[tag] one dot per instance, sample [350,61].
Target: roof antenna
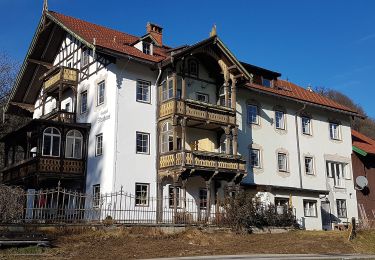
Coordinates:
[213,31]
[45,6]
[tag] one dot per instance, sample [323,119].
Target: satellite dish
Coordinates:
[361,181]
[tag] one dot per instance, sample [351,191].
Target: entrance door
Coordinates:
[326,215]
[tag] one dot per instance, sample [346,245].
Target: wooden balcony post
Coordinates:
[227,140]
[183,140]
[183,88]
[184,192]
[175,184]
[174,89]
[235,140]
[159,213]
[233,94]
[208,209]
[174,129]
[44,98]
[226,93]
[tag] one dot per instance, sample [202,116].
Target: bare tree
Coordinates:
[365,126]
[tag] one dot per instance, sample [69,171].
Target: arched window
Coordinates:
[51,142]
[223,144]
[166,138]
[74,142]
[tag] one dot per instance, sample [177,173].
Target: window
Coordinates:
[69,63]
[193,68]
[171,196]
[281,205]
[309,207]
[51,142]
[252,114]
[83,102]
[141,194]
[99,145]
[309,166]
[167,89]
[282,162]
[67,107]
[146,48]
[337,171]
[100,93]
[85,58]
[280,121]
[202,198]
[266,82]
[334,131]
[166,138]
[143,91]
[143,143]
[223,144]
[96,195]
[341,208]
[306,125]
[255,157]
[74,142]
[201,97]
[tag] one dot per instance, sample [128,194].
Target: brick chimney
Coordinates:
[156,31]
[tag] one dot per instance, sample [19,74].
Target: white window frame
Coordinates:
[147,146]
[146,48]
[143,201]
[257,152]
[77,136]
[166,137]
[100,95]
[51,136]
[334,131]
[266,80]
[205,96]
[303,124]
[171,196]
[281,204]
[337,171]
[83,100]
[285,156]
[96,195]
[279,120]
[144,90]
[309,169]
[342,210]
[99,144]
[85,60]
[310,208]
[251,120]
[167,89]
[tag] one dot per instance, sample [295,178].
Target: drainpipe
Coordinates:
[298,145]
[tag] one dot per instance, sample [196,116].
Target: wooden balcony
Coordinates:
[198,111]
[43,165]
[58,75]
[203,161]
[60,116]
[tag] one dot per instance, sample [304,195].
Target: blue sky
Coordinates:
[322,43]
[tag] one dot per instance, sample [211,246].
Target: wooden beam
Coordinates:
[39,62]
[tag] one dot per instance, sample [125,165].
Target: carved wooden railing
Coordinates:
[61,74]
[61,116]
[42,165]
[207,160]
[198,110]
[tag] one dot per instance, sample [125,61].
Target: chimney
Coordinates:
[156,32]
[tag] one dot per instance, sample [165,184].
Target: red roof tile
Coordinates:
[363,142]
[291,90]
[106,37]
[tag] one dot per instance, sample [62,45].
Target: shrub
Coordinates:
[12,202]
[245,211]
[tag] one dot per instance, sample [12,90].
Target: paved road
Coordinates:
[273,257]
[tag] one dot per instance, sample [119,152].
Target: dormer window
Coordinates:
[266,82]
[193,68]
[146,48]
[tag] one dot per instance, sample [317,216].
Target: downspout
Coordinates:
[298,145]
[159,204]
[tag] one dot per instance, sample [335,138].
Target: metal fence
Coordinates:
[64,206]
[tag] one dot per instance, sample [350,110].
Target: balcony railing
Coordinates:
[58,75]
[42,164]
[198,110]
[203,160]
[61,116]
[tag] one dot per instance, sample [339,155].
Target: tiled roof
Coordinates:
[107,38]
[363,142]
[293,91]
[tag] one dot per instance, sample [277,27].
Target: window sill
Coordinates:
[143,102]
[142,206]
[143,153]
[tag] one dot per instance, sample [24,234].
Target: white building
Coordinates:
[113,111]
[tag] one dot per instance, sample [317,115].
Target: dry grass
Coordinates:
[151,242]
